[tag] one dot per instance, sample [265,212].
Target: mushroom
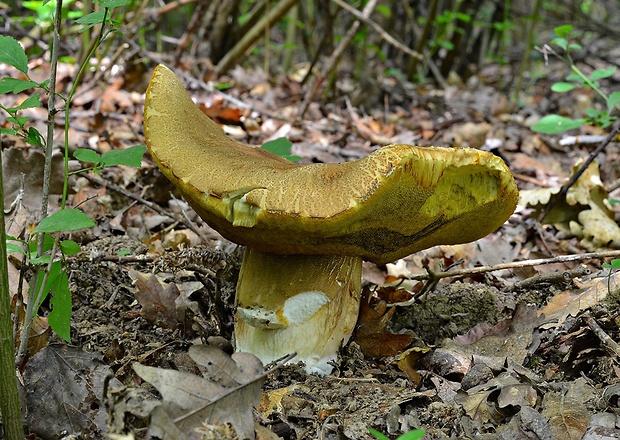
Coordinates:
[307,227]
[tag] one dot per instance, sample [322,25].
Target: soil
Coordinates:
[362,392]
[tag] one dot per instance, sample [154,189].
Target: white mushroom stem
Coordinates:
[306,304]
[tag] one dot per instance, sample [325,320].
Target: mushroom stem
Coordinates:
[306,304]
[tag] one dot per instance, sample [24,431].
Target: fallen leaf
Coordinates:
[371,331]
[408,363]
[570,302]
[508,340]
[17,161]
[483,404]
[158,302]
[568,417]
[584,212]
[65,392]
[227,393]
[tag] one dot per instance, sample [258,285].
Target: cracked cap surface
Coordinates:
[398,200]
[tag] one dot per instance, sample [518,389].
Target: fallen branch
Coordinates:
[516,265]
[611,346]
[109,185]
[382,33]
[330,65]
[562,194]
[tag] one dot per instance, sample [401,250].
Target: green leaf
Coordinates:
[448,45]
[48,244]
[377,434]
[17,121]
[60,316]
[87,155]
[593,113]
[574,77]
[34,137]
[613,101]
[67,219]
[42,260]
[15,85]
[563,31]
[131,156]
[561,87]
[223,86]
[30,102]
[281,147]
[384,10]
[92,19]
[603,73]
[110,4]
[14,248]
[416,434]
[613,264]
[51,278]
[11,52]
[554,124]
[69,247]
[463,17]
[562,42]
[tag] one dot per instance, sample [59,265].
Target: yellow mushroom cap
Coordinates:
[397,201]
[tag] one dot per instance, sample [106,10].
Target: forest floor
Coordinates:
[519,353]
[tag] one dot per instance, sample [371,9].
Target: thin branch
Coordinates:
[382,33]
[333,59]
[186,222]
[608,343]
[562,194]
[517,264]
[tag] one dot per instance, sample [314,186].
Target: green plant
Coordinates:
[553,124]
[45,248]
[415,434]
[613,266]
[281,147]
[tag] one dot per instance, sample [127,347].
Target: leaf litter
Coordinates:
[229,388]
[474,357]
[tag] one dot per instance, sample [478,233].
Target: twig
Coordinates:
[253,35]
[382,33]
[188,78]
[552,277]
[517,264]
[562,194]
[364,131]
[333,59]
[188,224]
[609,344]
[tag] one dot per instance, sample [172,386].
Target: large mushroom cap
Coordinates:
[398,200]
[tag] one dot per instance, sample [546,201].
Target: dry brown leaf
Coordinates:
[408,363]
[15,162]
[191,402]
[371,331]
[480,402]
[584,212]
[218,112]
[66,392]
[157,301]
[568,417]
[570,302]
[523,319]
